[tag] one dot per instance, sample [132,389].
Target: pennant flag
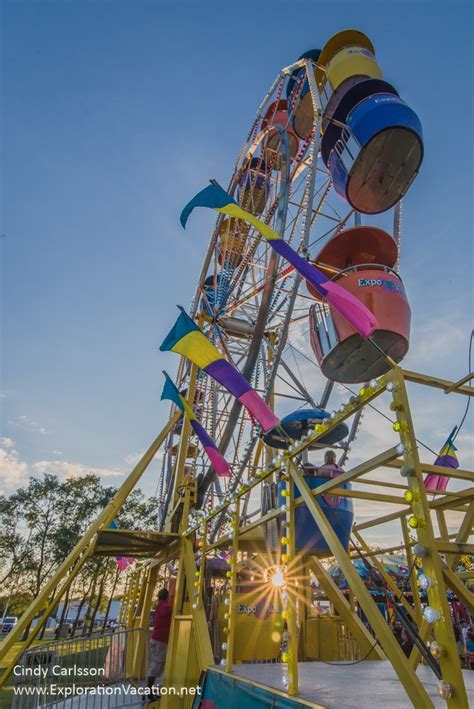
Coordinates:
[218,462]
[355,312]
[186,339]
[123,562]
[448,459]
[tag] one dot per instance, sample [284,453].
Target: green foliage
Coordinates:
[41,523]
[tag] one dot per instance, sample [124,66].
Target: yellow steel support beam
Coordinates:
[415,592]
[378,552]
[457,473]
[150,584]
[464,532]
[455,548]
[200,628]
[44,617]
[442,526]
[351,475]
[380,520]
[133,598]
[172,660]
[386,577]
[183,449]
[392,649]
[292,588]
[432,566]
[232,587]
[363,495]
[460,382]
[424,632]
[437,383]
[140,655]
[457,586]
[357,628]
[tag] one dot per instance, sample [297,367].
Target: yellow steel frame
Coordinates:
[415,503]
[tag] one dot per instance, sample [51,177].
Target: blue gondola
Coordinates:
[356,93]
[339,512]
[378,155]
[298,424]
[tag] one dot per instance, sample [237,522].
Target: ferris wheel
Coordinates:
[304,151]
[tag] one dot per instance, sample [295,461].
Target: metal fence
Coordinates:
[87,672]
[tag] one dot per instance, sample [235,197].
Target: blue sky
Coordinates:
[116,113]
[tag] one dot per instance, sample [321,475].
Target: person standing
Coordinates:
[159,640]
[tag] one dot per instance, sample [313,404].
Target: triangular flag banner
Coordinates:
[218,462]
[185,338]
[355,312]
[123,562]
[447,458]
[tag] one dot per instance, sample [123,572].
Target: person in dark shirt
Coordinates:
[406,643]
[159,640]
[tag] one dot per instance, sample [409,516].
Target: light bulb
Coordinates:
[405,471]
[373,383]
[420,551]
[361,391]
[396,426]
[445,690]
[195,605]
[223,662]
[400,449]
[390,386]
[431,614]
[227,601]
[224,646]
[436,650]
[425,582]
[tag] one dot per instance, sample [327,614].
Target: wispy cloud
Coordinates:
[64,469]
[13,471]
[7,442]
[28,424]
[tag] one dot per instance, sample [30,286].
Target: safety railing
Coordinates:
[96,670]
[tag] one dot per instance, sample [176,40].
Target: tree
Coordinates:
[42,522]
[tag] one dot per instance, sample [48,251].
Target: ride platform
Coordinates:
[132,543]
[334,685]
